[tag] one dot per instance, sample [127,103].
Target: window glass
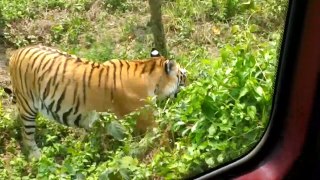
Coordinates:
[229,49]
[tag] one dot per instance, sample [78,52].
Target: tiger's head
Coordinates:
[172,79]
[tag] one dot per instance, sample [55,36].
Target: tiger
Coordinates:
[73,91]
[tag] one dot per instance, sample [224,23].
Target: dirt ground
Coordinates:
[4,75]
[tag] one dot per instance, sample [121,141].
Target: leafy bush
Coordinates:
[47,27]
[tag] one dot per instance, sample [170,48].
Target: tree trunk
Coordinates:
[157,26]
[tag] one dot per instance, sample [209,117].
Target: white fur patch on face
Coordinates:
[168,91]
[155,53]
[183,71]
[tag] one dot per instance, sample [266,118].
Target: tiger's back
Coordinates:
[71,90]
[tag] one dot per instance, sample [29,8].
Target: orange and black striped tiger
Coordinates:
[71,90]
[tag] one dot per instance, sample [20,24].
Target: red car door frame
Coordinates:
[294,117]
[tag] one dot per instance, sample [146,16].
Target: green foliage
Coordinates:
[218,117]
[65,31]
[69,30]
[114,5]
[13,10]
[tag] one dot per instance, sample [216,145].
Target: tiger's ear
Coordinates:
[154,53]
[169,66]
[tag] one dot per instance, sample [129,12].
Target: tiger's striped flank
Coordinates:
[72,90]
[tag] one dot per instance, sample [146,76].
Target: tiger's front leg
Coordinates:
[28,135]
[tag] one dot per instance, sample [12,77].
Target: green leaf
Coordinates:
[253,28]
[235,29]
[116,130]
[194,127]
[220,158]
[210,161]
[212,129]
[184,132]
[124,174]
[243,92]
[105,174]
[207,107]
[128,161]
[259,90]
[252,111]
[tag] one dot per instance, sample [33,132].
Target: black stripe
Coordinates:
[114,74]
[19,67]
[114,81]
[41,107]
[96,65]
[48,60]
[51,106]
[153,67]
[77,106]
[21,80]
[107,75]
[77,121]
[52,63]
[56,73]
[26,102]
[34,60]
[61,98]
[65,116]
[100,74]
[121,66]
[41,53]
[23,105]
[75,92]
[46,90]
[25,54]
[19,61]
[84,86]
[29,126]
[78,60]
[47,70]
[55,90]
[45,64]
[56,117]
[32,98]
[90,75]
[22,50]
[143,69]
[64,70]
[128,67]
[28,133]
[35,73]
[135,69]
[27,118]
[25,77]
[106,81]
